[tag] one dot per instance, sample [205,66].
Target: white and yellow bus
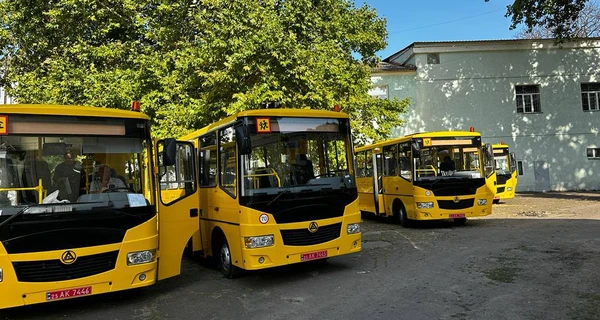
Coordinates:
[506,172]
[277,187]
[426,176]
[80,210]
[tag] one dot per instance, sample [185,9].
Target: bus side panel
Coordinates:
[395,187]
[223,212]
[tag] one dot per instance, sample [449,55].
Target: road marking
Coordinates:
[407,239]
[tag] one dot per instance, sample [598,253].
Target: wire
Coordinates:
[446,22]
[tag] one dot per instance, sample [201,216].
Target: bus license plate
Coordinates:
[69,293]
[457,215]
[313,255]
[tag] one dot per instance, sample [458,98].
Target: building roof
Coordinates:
[391,66]
[498,44]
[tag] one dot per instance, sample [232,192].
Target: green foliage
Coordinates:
[192,62]
[559,16]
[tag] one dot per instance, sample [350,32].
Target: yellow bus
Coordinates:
[506,172]
[80,210]
[426,176]
[277,187]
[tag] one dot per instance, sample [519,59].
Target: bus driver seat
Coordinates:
[302,170]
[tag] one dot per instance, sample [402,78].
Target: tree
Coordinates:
[558,16]
[191,62]
[586,25]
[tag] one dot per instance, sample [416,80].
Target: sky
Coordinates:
[441,20]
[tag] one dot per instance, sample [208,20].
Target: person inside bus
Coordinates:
[302,170]
[105,181]
[447,164]
[69,178]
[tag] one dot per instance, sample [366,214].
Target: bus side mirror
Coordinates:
[416,149]
[169,152]
[244,143]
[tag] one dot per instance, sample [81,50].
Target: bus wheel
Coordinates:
[496,201]
[400,215]
[460,221]
[225,264]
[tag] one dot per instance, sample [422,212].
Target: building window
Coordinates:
[520,167]
[528,99]
[433,58]
[590,96]
[593,153]
[379,92]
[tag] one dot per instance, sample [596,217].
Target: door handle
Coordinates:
[193,212]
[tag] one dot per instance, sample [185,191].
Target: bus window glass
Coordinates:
[390,163]
[227,163]
[208,160]
[404,161]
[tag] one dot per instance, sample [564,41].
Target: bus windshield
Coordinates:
[298,155]
[447,162]
[50,173]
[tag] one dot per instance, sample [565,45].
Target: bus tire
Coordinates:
[400,216]
[496,201]
[460,221]
[226,265]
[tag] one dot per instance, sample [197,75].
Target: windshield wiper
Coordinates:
[279,195]
[9,219]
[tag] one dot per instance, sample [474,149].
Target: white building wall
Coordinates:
[4,98]
[476,88]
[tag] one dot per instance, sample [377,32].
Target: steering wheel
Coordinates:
[119,189]
[328,174]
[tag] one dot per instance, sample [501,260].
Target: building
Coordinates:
[4,98]
[541,99]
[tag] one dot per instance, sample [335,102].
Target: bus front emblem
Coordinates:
[456,199]
[68,257]
[313,227]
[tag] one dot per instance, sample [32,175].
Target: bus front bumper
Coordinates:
[18,293]
[437,213]
[281,254]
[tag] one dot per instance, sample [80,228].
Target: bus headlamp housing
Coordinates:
[424,205]
[509,188]
[481,202]
[140,257]
[353,228]
[259,241]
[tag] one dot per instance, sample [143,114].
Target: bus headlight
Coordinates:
[509,188]
[259,241]
[140,257]
[482,202]
[353,228]
[424,205]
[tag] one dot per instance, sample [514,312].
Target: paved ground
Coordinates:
[536,257]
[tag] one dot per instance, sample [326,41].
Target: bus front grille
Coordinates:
[451,205]
[303,237]
[55,270]
[500,190]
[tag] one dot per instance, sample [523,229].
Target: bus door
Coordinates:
[489,167]
[177,208]
[377,180]
[397,175]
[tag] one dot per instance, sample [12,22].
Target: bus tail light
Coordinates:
[259,241]
[140,257]
[353,228]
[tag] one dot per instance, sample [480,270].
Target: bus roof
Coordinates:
[70,110]
[499,146]
[431,134]
[308,113]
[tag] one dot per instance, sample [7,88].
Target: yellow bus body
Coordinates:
[226,219]
[506,172]
[94,255]
[407,190]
